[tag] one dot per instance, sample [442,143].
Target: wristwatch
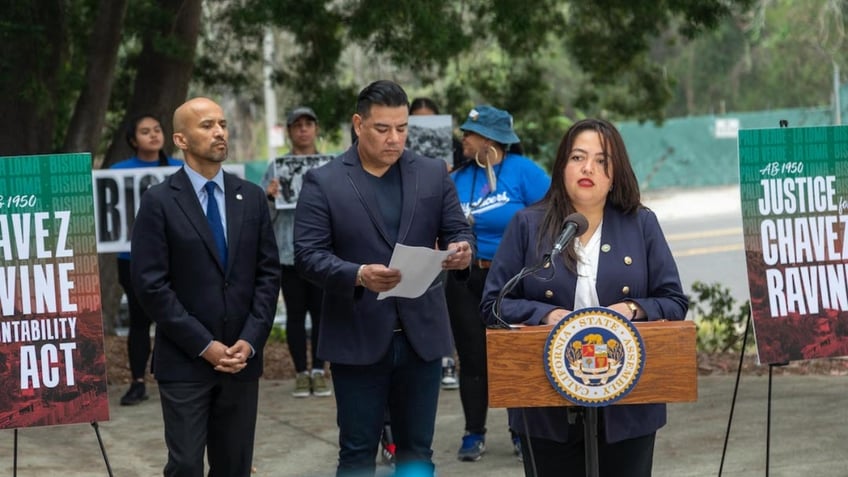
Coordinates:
[633,308]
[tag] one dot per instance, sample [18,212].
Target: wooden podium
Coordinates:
[517,375]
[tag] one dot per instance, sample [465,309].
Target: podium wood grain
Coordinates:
[517,375]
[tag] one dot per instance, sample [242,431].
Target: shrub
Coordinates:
[720,329]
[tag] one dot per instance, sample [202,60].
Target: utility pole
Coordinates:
[272,130]
[837,101]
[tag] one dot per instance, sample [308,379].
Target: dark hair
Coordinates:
[624,196]
[132,128]
[382,93]
[420,103]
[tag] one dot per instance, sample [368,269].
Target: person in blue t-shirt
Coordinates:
[144,135]
[492,186]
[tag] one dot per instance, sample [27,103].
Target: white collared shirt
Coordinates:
[586,293]
[198,182]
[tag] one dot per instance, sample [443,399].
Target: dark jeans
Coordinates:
[547,458]
[469,335]
[301,296]
[138,337]
[410,388]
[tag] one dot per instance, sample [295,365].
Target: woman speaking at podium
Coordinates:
[622,261]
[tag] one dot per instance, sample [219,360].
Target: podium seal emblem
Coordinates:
[594,357]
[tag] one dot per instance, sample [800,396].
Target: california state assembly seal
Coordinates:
[594,357]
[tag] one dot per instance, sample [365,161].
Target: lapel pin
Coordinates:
[238,197]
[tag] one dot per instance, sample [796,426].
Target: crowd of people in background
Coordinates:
[385,360]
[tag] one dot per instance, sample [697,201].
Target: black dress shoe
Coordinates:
[135,394]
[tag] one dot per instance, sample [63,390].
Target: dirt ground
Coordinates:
[278,363]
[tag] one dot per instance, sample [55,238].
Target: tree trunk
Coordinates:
[86,125]
[160,86]
[33,47]
[87,122]
[164,71]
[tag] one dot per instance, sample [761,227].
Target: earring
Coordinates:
[495,151]
[477,160]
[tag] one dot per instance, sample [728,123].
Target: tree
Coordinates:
[163,69]
[59,60]
[779,54]
[30,82]
[90,112]
[481,51]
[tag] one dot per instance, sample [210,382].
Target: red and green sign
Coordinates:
[52,361]
[794,188]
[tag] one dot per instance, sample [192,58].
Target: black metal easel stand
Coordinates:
[96,427]
[733,403]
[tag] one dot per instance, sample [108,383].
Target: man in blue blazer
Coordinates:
[210,282]
[349,216]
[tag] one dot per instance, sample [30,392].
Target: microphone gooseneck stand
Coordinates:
[508,287]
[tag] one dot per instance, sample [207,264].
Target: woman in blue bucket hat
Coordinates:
[492,186]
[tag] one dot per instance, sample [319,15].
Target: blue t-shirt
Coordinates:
[135,162]
[520,182]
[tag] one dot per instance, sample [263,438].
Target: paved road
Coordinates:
[704,231]
[297,437]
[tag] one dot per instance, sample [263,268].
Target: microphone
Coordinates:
[575,225]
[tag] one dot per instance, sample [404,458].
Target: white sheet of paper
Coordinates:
[418,266]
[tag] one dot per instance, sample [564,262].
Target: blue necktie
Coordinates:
[213,215]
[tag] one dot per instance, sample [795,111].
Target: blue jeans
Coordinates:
[410,388]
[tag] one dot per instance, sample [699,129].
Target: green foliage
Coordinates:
[538,59]
[720,327]
[278,334]
[778,55]
[542,60]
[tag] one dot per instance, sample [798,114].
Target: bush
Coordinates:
[719,328]
[278,334]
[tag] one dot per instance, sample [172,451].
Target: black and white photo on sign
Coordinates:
[289,171]
[431,136]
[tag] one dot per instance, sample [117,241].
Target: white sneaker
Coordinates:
[449,380]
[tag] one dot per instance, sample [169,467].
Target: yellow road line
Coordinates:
[708,250]
[705,234]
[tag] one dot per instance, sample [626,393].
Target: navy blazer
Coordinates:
[339,226]
[650,279]
[183,286]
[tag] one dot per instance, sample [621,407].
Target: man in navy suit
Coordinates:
[350,214]
[205,269]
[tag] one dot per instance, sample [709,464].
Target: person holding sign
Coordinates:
[428,107]
[622,262]
[350,215]
[144,135]
[492,187]
[300,295]
[205,269]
